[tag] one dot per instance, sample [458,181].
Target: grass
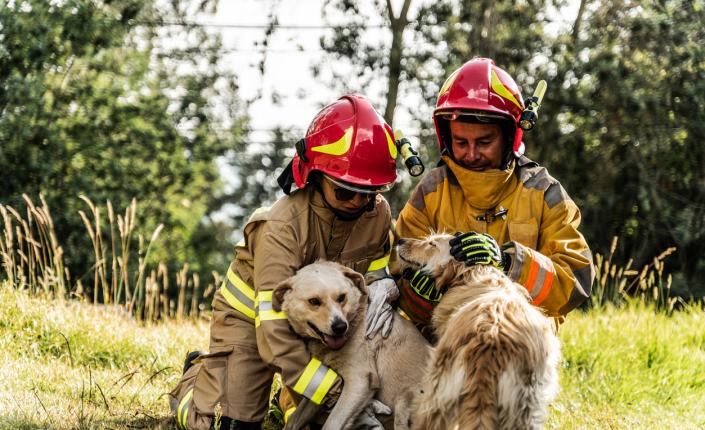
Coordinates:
[66,364]
[73,365]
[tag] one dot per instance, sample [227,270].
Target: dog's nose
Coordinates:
[401,241]
[339,327]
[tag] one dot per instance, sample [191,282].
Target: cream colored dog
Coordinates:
[495,364]
[325,303]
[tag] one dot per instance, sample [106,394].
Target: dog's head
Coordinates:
[430,255]
[321,301]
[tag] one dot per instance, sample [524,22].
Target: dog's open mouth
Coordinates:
[332,342]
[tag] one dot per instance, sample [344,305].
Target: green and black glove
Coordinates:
[479,248]
[423,284]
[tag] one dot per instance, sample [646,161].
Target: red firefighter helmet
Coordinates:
[482,90]
[348,141]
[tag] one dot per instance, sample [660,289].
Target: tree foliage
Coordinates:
[622,123]
[93,103]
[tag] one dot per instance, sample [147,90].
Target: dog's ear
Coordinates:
[357,279]
[279,293]
[450,272]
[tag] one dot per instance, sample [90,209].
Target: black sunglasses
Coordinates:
[345,195]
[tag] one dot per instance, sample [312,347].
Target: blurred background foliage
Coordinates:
[93,103]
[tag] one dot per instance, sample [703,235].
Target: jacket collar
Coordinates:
[483,190]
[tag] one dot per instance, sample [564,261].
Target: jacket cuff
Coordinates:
[531,269]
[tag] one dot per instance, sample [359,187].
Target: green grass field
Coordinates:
[70,365]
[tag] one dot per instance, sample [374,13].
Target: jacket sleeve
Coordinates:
[560,272]
[278,256]
[379,266]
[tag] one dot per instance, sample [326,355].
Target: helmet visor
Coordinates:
[357,188]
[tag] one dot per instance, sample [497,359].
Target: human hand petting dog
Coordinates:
[478,248]
[379,311]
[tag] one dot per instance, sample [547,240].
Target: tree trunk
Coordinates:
[398,24]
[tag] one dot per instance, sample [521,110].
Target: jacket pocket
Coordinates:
[210,386]
[524,232]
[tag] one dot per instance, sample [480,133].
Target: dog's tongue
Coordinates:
[334,342]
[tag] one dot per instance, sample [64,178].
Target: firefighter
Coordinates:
[336,213]
[487,189]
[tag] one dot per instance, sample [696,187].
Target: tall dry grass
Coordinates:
[122,273]
[617,284]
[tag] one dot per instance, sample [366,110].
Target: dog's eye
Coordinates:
[341,298]
[314,301]
[433,245]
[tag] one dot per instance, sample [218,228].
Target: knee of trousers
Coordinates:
[233,382]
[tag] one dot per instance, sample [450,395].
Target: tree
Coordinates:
[91,104]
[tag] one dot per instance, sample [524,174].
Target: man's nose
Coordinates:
[472,153]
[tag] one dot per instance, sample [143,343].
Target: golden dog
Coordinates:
[495,364]
[325,303]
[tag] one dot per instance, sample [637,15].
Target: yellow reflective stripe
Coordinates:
[503,91]
[380,263]
[264,308]
[288,413]
[315,381]
[238,294]
[184,405]
[339,147]
[241,285]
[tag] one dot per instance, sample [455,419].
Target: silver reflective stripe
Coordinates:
[315,382]
[264,306]
[239,295]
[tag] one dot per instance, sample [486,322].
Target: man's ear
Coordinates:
[279,294]
[357,279]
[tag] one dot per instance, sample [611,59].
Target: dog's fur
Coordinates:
[388,369]
[495,364]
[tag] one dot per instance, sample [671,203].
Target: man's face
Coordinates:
[477,147]
[355,204]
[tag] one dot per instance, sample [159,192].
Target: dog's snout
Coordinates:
[401,241]
[339,327]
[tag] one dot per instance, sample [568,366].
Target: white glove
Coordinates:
[367,420]
[379,312]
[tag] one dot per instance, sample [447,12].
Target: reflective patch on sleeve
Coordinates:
[315,381]
[265,311]
[541,276]
[238,294]
[182,410]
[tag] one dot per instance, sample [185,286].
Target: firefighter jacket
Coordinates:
[298,230]
[525,210]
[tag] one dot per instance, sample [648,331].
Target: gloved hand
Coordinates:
[379,311]
[423,284]
[367,420]
[478,248]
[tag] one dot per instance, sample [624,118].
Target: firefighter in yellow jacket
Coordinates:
[345,160]
[489,192]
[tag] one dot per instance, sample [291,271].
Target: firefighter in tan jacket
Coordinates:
[346,159]
[487,189]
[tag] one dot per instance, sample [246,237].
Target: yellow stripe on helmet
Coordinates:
[392,146]
[499,88]
[339,147]
[447,83]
